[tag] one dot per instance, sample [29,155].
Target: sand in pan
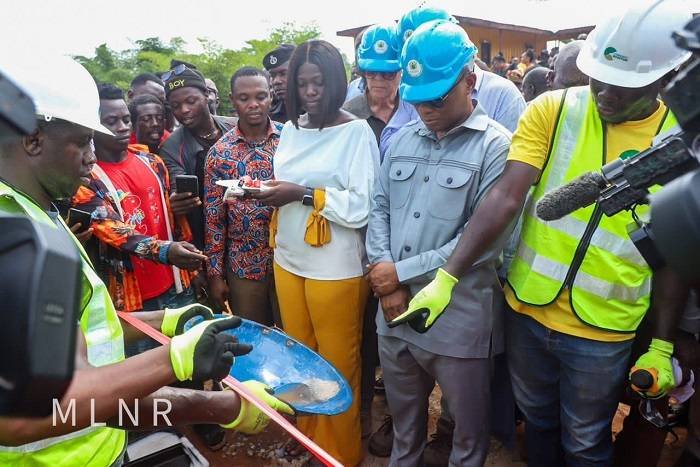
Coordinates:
[322,389]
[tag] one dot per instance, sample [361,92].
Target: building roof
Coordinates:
[466,21]
[534,17]
[544,17]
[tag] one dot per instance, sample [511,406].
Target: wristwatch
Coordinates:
[308,199]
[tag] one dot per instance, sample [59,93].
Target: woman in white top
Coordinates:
[324,169]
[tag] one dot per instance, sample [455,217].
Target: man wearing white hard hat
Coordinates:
[577,287]
[50,164]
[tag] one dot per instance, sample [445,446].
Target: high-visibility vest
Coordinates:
[92,446]
[586,252]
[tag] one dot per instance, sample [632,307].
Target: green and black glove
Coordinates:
[652,374]
[205,352]
[174,319]
[251,420]
[428,304]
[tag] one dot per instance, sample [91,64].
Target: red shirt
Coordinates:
[132,138]
[139,194]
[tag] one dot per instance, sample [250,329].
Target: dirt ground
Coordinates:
[266,449]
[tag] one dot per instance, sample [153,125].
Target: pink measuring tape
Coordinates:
[242,391]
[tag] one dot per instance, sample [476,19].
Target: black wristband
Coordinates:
[308,199]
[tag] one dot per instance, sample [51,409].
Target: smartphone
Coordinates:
[76,215]
[187,184]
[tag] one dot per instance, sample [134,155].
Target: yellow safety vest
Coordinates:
[587,252]
[92,446]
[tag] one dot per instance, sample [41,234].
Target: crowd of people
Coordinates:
[395,234]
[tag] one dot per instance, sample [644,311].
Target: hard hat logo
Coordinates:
[610,53]
[273,60]
[407,34]
[414,69]
[381,47]
[647,51]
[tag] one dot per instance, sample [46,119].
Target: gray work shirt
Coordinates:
[426,192]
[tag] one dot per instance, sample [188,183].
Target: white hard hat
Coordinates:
[635,48]
[59,86]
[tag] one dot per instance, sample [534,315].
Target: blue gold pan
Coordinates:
[298,375]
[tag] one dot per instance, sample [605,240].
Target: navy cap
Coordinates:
[278,56]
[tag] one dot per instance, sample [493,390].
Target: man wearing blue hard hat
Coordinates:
[380,105]
[498,96]
[378,61]
[504,103]
[434,174]
[417,16]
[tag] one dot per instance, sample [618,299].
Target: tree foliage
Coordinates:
[153,55]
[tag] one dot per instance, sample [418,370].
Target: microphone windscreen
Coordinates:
[579,193]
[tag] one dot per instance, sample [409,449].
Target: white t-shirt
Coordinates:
[342,160]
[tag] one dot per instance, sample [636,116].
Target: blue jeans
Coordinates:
[568,389]
[169,299]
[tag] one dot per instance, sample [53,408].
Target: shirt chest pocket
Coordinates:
[401,176]
[448,196]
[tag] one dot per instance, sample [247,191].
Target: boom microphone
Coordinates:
[579,193]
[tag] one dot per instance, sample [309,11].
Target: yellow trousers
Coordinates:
[327,317]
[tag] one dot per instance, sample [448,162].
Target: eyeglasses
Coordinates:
[385,75]
[178,70]
[440,102]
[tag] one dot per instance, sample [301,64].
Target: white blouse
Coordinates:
[342,160]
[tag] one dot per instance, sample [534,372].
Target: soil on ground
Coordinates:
[266,449]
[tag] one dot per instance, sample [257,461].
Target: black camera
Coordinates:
[40,271]
[675,210]
[17,114]
[39,292]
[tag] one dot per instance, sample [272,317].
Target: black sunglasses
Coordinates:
[178,70]
[440,102]
[385,75]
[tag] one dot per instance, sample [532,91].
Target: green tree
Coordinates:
[154,44]
[153,55]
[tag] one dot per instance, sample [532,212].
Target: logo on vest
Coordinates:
[611,54]
[176,84]
[629,153]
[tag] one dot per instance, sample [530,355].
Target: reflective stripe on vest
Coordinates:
[611,287]
[600,287]
[98,446]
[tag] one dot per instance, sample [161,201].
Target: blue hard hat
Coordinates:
[433,59]
[414,18]
[379,50]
